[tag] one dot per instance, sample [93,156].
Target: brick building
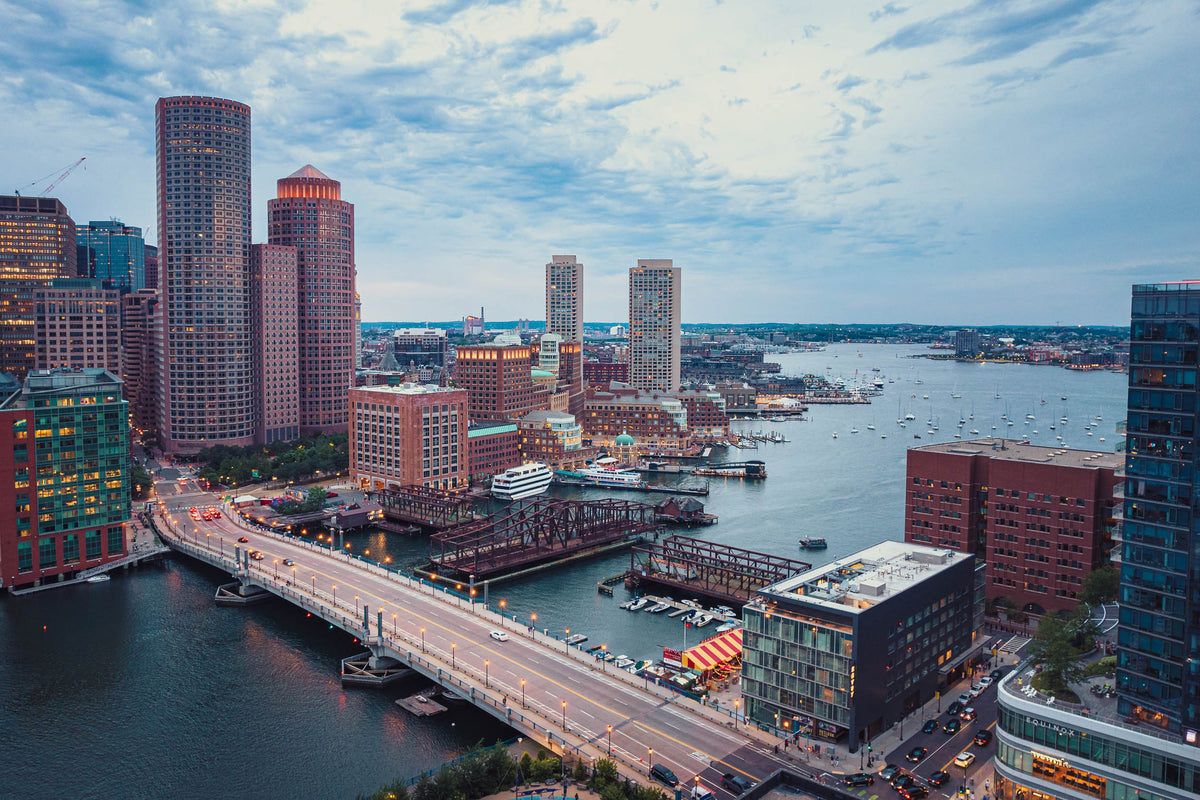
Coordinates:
[492,447]
[656,421]
[1041,517]
[141,337]
[553,438]
[705,413]
[77,325]
[408,435]
[598,374]
[274,295]
[498,381]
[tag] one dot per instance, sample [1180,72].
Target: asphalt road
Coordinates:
[688,743]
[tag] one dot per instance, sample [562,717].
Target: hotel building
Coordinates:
[408,435]
[654,325]
[273,300]
[1041,517]
[655,421]
[492,447]
[77,325]
[564,298]
[207,369]
[37,244]
[846,650]
[64,458]
[309,214]
[499,381]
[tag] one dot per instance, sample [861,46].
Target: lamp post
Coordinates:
[522,693]
[603,658]
[486,677]
[736,703]
[502,605]
[453,661]
[422,638]
[293,576]
[610,740]
[394,626]
[651,751]
[277,569]
[566,644]
[335,594]
[564,705]
[533,621]
[314,579]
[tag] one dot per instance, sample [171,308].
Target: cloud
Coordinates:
[849,82]
[889,10]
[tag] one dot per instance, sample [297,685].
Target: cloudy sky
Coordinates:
[1001,161]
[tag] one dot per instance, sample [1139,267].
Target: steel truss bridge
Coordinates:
[714,570]
[429,508]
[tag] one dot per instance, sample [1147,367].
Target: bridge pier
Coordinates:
[373,669]
[240,593]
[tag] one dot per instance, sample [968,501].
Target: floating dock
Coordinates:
[421,705]
[641,487]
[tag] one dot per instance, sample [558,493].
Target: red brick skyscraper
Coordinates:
[310,215]
[206,377]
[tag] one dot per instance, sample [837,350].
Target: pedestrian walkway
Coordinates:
[1015,644]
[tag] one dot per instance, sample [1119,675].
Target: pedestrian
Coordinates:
[776,749]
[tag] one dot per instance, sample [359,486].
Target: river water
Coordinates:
[142,688]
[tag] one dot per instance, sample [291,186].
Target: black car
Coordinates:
[983,738]
[663,774]
[939,777]
[859,779]
[930,726]
[916,754]
[736,783]
[913,792]
[243,539]
[287,562]
[889,772]
[997,674]
[902,781]
[952,727]
[954,708]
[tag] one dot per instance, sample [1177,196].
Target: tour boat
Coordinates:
[813,543]
[520,482]
[604,476]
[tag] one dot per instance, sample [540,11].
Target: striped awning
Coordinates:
[717,650]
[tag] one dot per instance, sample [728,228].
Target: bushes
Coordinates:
[1102,667]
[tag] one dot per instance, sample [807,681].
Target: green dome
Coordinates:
[624,440]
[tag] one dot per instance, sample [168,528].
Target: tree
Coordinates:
[140,482]
[1100,586]
[580,771]
[1052,646]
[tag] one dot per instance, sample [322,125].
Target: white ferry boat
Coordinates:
[605,476]
[520,482]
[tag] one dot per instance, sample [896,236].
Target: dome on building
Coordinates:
[624,440]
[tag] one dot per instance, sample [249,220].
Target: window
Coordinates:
[47,553]
[92,542]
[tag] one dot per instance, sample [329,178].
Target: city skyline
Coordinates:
[1004,155]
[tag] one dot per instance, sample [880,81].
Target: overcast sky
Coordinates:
[939,162]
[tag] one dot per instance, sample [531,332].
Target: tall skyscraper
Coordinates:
[564,298]
[273,267]
[206,374]
[141,341]
[112,251]
[309,214]
[1158,672]
[78,325]
[37,244]
[150,259]
[654,325]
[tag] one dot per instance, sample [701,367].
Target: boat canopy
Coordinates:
[717,650]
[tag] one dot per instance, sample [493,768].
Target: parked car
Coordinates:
[952,727]
[939,777]
[736,783]
[965,698]
[930,726]
[976,690]
[859,779]
[996,674]
[986,681]
[663,774]
[916,754]
[964,759]
[983,738]
[954,708]
[889,772]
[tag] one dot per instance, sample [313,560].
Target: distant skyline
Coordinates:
[992,162]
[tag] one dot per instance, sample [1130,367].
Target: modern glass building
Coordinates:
[846,650]
[112,251]
[1158,668]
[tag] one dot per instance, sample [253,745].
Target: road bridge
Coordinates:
[556,694]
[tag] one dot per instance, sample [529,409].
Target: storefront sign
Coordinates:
[1061,730]
[672,657]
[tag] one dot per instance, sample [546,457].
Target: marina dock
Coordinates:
[420,705]
[580,484]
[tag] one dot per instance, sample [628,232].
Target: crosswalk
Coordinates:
[1014,644]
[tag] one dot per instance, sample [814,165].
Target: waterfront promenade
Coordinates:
[557,695]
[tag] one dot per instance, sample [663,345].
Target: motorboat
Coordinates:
[813,543]
[639,604]
[520,482]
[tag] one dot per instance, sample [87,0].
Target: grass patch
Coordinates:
[1102,667]
[1066,695]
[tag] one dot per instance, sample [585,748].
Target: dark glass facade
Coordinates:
[1158,673]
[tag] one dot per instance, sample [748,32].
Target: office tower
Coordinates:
[564,298]
[77,324]
[499,381]
[308,213]
[274,289]
[1041,517]
[419,347]
[64,446]
[654,325]
[150,259]
[141,339]
[408,435]
[1158,673]
[37,243]
[206,371]
[112,251]
[967,342]
[358,345]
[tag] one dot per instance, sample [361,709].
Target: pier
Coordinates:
[429,508]
[699,491]
[716,571]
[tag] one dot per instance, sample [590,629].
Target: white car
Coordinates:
[499,636]
[964,759]
[985,681]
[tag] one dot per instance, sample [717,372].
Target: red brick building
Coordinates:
[492,447]
[705,413]
[1041,517]
[498,381]
[658,421]
[598,374]
[273,301]
[408,435]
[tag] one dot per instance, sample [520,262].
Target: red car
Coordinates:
[243,539]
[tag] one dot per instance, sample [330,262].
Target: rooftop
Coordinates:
[548,416]
[309,171]
[866,578]
[409,388]
[1016,450]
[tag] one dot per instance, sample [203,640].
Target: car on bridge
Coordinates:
[663,774]
[287,562]
[243,539]
[257,555]
[499,636]
[737,784]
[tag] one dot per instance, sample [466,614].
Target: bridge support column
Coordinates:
[373,669]
[240,593]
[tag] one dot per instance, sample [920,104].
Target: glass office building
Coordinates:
[112,251]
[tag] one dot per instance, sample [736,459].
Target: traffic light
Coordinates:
[868,748]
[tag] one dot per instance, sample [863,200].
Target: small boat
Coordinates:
[624,662]
[813,543]
[576,638]
[974,431]
[871,427]
[639,604]
[657,608]
[728,626]
[628,603]
[703,620]
[98,579]
[835,434]
[854,430]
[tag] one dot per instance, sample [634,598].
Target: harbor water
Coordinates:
[141,687]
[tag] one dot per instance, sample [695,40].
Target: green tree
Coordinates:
[140,482]
[580,773]
[1100,586]
[1052,646]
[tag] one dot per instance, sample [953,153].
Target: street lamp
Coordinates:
[502,604]
[486,679]
[293,576]
[564,704]
[422,638]
[566,644]
[533,621]
[453,662]
[603,657]
[522,693]
[736,703]
[277,569]
[394,626]
[335,594]
[610,740]
[314,577]
[651,751]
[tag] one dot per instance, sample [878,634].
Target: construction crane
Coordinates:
[62,173]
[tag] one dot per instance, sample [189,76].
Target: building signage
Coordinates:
[1060,762]
[1061,730]
[672,657]
[827,730]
